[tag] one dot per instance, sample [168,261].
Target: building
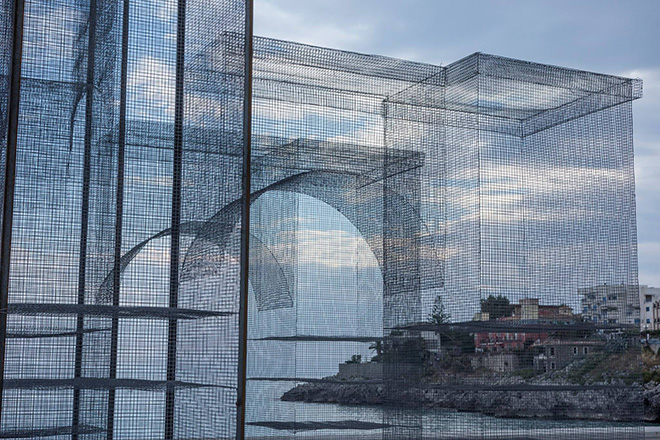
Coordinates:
[610,304]
[527,309]
[481,316]
[433,343]
[530,309]
[649,311]
[506,341]
[557,353]
[498,362]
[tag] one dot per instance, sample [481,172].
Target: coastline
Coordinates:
[621,404]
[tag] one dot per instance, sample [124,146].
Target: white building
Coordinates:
[649,312]
[611,304]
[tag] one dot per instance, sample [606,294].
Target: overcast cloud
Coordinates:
[613,37]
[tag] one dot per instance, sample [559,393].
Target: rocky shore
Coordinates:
[607,403]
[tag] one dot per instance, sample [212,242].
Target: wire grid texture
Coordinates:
[421,236]
[113,174]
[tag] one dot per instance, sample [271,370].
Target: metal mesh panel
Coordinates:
[435,252]
[5,63]
[126,152]
[492,197]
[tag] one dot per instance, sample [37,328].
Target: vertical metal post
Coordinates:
[119,213]
[10,174]
[177,168]
[245,225]
[385,232]
[84,211]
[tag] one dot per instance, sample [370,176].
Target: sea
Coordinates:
[380,422]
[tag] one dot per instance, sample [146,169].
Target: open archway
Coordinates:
[389,222]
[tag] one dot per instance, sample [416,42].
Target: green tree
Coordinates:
[438,314]
[497,306]
[377,346]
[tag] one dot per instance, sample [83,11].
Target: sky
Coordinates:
[605,36]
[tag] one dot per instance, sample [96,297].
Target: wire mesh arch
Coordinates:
[434,251]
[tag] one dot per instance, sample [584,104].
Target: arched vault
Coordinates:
[396,245]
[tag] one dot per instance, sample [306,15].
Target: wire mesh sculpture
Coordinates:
[420,237]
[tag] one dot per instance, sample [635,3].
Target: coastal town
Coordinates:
[520,346]
[507,337]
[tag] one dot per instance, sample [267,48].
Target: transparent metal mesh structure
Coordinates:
[384,187]
[441,252]
[125,153]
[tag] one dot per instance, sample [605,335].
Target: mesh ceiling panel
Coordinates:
[441,252]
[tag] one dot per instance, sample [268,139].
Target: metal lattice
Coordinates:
[422,239]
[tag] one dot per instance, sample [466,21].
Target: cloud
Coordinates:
[51,38]
[138,180]
[647,173]
[334,248]
[649,255]
[151,83]
[651,78]
[274,20]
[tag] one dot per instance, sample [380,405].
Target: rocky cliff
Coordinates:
[606,403]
